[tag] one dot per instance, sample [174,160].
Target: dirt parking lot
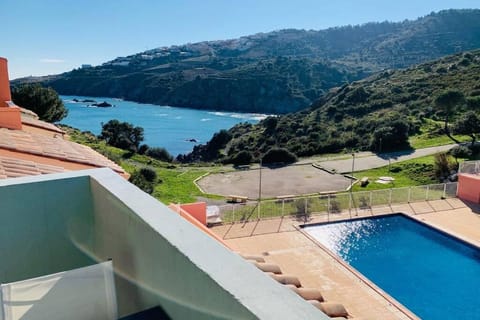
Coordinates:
[291,180]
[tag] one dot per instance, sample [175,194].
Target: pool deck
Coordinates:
[281,242]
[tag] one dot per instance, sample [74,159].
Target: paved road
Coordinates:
[365,161]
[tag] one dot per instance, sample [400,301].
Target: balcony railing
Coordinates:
[472,167]
[335,202]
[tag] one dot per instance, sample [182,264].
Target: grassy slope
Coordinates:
[177,181]
[428,137]
[413,172]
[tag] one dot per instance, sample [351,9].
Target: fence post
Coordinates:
[390,197]
[426,193]
[283,207]
[409,194]
[444,191]
[233,213]
[350,204]
[306,210]
[328,208]
[370,204]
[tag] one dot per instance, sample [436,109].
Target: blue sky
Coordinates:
[41,37]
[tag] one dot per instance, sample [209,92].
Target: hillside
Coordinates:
[390,105]
[276,72]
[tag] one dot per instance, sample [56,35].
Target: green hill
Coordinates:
[275,72]
[389,105]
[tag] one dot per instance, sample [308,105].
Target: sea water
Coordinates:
[175,129]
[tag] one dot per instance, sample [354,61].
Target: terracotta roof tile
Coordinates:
[45,168]
[41,124]
[31,118]
[54,148]
[28,113]
[13,168]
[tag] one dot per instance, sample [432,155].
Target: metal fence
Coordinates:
[469,167]
[335,202]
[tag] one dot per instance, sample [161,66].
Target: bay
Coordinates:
[175,129]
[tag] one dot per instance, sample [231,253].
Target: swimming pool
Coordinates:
[433,274]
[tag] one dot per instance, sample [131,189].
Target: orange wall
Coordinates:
[469,187]
[184,214]
[4,83]
[10,118]
[198,210]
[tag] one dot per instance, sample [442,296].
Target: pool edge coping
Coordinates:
[445,231]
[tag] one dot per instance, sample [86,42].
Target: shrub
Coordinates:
[242,158]
[277,155]
[335,206]
[149,174]
[145,179]
[300,206]
[363,203]
[160,154]
[443,165]
[143,149]
[395,169]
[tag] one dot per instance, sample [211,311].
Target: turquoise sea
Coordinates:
[168,127]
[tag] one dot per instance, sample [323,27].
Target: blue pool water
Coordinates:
[168,127]
[434,275]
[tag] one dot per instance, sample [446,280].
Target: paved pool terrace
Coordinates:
[280,241]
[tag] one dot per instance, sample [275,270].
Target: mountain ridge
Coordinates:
[391,105]
[276,72]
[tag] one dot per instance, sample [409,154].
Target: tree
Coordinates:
[468,124]
[460,152]
[447,101]
[392,135]
[122,135]
[45,102]
[218,142]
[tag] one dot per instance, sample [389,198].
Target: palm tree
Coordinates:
[447,101]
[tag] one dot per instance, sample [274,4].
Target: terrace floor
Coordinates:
[280,242]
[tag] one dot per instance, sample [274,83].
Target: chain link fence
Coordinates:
[334,202]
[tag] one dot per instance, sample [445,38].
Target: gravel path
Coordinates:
[365,161]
